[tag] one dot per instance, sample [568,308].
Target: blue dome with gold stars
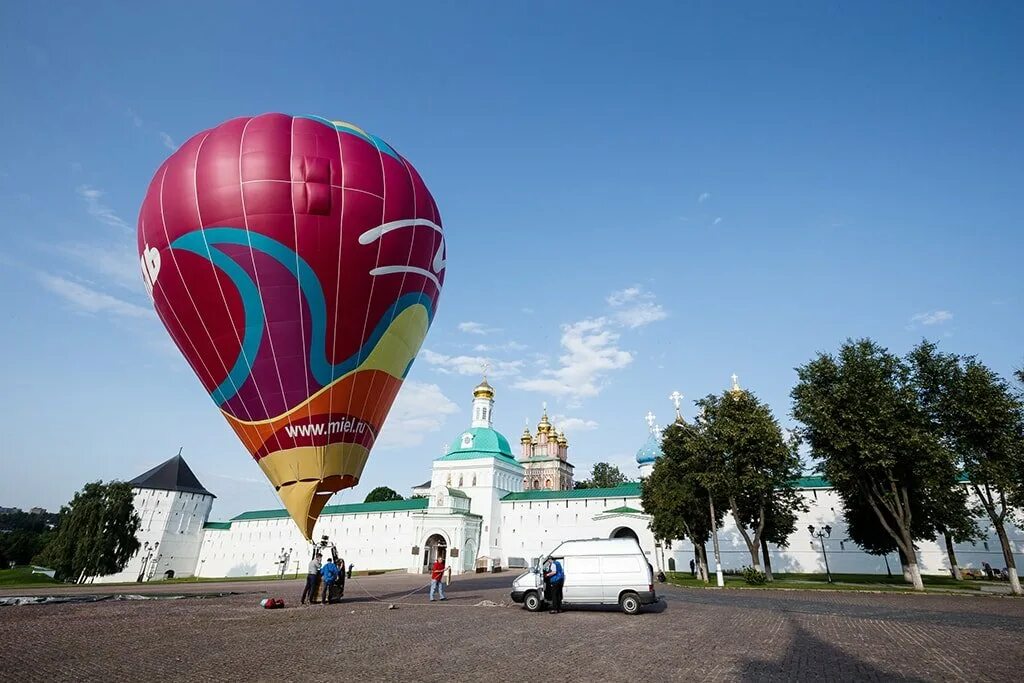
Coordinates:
[650,451]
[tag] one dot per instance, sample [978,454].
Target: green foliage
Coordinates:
[382,494]
[979,418]
[752,465]
[674,494]
[96,534]
[862,416]
[23,535]
[754,577]
[603,476]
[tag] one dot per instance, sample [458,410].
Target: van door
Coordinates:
[582,580]
[620,573]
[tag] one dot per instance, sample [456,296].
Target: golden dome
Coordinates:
[545,426]
[562,441]
[483,390]
[526,438]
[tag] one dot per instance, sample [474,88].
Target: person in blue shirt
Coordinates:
[556,579]
[330,574]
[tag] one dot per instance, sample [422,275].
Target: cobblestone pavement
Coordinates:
[692,635]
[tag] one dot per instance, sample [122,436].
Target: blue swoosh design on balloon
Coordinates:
[201,242]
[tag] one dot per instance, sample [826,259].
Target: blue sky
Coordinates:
[635,202]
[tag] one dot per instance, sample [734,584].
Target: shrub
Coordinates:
[754,577]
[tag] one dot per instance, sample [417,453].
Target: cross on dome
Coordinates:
[735,391]
[676,398]
[650,418]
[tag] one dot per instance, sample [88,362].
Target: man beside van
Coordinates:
[556,579]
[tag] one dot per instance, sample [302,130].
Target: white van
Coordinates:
[600,571]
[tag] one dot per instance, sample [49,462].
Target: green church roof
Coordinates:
[624,510]
[349,509]
[217,525]
[628,490]
[812,483]
[479,442]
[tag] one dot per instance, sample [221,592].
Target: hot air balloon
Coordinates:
[296,262]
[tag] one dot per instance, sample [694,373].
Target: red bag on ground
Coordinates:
[272,603]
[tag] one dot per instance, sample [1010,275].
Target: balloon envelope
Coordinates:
[296,262]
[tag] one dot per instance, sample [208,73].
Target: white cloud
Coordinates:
[470,327]
[118,262]
[528,311]
[507,346]
[591,351]
[704,196]
[169,143]
[571,425]
[471,365]
[419,409]
[98,210]
[88,300]
[624,296]
[634,307]
[136,120]
[716,221]
[932,317]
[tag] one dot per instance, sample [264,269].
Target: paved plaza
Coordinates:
[692,635]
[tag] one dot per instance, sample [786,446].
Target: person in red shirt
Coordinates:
[437,578]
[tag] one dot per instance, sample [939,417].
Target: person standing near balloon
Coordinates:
[330,574]
[312,580]
[437,578]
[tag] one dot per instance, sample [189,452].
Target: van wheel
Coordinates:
[630,603]
[532,601]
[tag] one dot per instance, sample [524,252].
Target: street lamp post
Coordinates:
[821,535]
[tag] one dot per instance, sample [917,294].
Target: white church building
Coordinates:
[484,509]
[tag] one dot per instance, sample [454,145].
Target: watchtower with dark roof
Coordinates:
[173,505]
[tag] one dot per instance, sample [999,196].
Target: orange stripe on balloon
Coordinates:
[355,386]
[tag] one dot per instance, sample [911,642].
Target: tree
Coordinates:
[981,420]
[675,496]
[752,464]
[23,535]
[382,494]
[96,533]
[603,476]
[779,524]
[861,417]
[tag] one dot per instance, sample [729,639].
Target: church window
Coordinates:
[474,480]
[536,484]
[460,481]
[547,484]
[448,481]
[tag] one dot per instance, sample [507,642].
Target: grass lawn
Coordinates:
[867,582]
[23,576]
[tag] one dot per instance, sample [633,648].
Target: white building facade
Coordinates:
[479,511]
